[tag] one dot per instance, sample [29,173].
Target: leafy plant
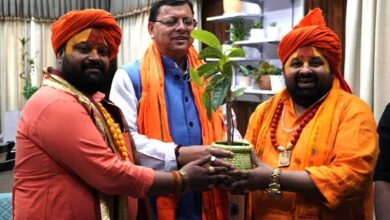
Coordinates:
[258,24]
[28,65]
[239,31]
[266,68]
[217,76]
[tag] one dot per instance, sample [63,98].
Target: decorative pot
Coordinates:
[257,34]
[273,33]
[232,6]
[265,82]
[242,153]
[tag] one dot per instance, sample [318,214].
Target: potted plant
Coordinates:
[28,65]
[265,71]
[238,30]
[217,78]
[273,32]
[257,31]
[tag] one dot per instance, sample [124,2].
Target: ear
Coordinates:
[151,29]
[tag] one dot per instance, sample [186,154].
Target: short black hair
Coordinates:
[154,10]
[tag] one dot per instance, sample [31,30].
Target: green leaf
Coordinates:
[219,92]
[208,38]
[244,70]
[236,52]
[207,68]
[238,92]
[194,76]
[209,52]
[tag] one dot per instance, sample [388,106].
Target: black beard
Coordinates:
[80,79]
[307,97]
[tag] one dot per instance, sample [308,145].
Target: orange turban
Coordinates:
[76,21]
[312,31]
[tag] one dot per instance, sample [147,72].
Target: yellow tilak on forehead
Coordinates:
[82,36]
[91,35]
[307,54]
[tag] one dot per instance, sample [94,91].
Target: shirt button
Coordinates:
[177,77]
[191,123]
[186,99]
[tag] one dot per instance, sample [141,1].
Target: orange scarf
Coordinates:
[152,110]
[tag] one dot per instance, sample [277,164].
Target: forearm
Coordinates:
[382,200]
[163,183]
[300,183]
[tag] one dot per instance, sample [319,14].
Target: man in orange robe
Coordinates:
[73,154]
[315,144]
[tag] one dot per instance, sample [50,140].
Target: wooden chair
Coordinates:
[8,162]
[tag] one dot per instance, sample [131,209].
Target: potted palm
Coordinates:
[217,78]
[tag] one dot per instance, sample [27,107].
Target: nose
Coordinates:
[305,69]
[94,55]
[180,25]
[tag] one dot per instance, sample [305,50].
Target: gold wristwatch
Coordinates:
[274,191]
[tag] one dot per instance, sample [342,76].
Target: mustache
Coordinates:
[93,64]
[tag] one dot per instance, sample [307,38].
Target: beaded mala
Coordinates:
[285,152]
[115,132]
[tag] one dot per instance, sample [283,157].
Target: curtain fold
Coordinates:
[368,51]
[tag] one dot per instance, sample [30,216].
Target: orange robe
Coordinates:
[338,148]
[63,162]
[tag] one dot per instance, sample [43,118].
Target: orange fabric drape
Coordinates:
[152,110]
[312,31]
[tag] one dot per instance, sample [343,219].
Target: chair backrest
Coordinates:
[5,206]
[9,162]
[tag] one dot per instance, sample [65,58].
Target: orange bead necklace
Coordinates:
[115,132]
[285,152]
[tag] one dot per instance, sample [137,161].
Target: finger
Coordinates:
[202,161]
[222,163]
[255,160]
[239,186]
[221,153]
[218,170]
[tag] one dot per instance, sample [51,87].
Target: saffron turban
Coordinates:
[312,31]
[76,21]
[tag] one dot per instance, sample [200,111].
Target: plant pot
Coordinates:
[242,153]
[257,34]
[273,33]
[243,80]
[265,82]
[277,82]
[232,6]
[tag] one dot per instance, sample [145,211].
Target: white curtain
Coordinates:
[10,67]
[368,51]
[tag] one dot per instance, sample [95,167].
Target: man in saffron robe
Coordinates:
[74,157]
[315,144]
[164,110]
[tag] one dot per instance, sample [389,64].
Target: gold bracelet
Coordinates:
[274,190]
[185,180]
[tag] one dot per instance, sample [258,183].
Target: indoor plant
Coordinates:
[217,78]
[28,65]
[238,30]
[265,70]
[273,32]
[257,31]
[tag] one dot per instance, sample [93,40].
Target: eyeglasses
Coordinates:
[174,22]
